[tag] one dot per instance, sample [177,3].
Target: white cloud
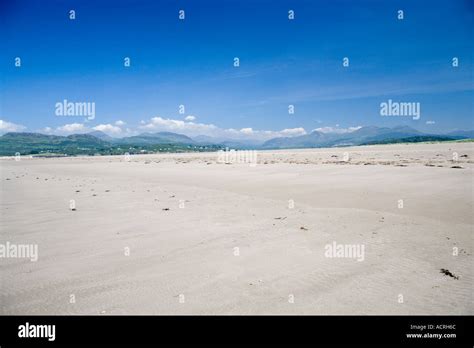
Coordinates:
[189,128]
[336,129]
[6,127]
[292,132]
[72,128]
[192,129]
[268,134]
[108,128]
[190,118]
[81,128]
[246,131]
[159,123]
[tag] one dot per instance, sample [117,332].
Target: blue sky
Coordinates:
[190,62]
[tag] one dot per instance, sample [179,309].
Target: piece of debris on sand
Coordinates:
[448,273]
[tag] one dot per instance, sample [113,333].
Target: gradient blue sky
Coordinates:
[190,62]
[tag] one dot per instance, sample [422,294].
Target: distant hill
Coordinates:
[158,138]
[101,135]
[314,139]
[229,142]
[97,143]
[364,135]
[100,143]
[35,143]
[462,134]
[415,139]
[381,134]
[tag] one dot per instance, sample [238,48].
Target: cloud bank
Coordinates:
[188,127]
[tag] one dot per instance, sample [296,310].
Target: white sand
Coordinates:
[190,250]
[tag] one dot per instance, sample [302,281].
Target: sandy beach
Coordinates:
[185,234]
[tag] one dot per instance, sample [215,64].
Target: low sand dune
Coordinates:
[211,238]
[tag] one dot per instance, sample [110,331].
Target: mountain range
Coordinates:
[362,136]
[98,142]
